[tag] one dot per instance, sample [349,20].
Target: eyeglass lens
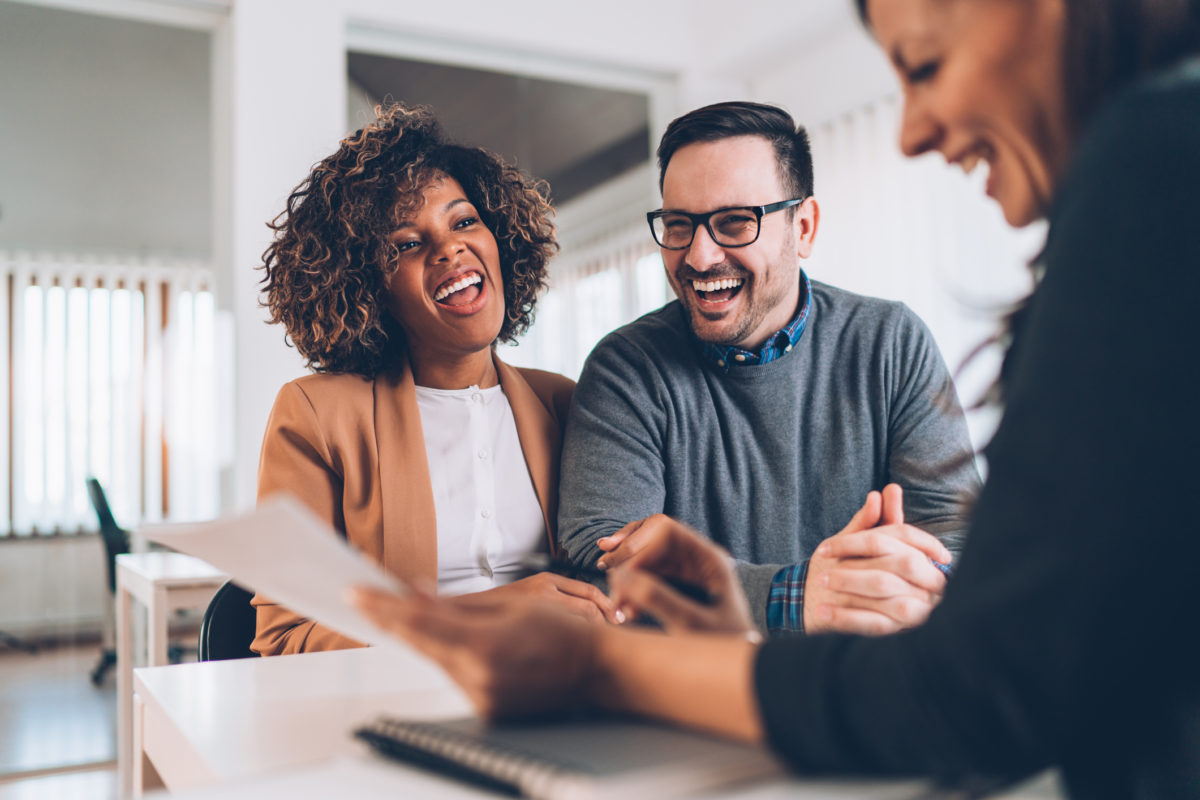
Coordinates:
[735,226]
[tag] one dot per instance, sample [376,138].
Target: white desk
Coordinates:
[277,727]
[204,724]
[164,583]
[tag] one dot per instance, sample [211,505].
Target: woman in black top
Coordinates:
[1069,634]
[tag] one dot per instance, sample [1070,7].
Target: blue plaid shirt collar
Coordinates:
[726,357]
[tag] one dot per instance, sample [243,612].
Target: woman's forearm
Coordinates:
[701,681]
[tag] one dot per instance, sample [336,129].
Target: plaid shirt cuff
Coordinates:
[785,600]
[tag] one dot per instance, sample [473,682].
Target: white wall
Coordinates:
[624,34]
[52,587]
[97,150]
[840,71]
[280,104]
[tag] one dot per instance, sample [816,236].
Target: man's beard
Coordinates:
[759,300]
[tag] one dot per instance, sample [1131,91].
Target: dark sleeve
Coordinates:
[612,464]
[929,448]
[1069,620]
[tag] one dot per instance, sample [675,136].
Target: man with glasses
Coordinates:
[761,408]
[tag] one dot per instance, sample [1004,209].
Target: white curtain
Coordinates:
[111,374]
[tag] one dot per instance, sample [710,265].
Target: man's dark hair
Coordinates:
[726,120]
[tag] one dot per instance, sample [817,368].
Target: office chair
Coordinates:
[116,542]
[228,625]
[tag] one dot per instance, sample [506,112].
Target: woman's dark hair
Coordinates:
[326,270]
[1109,43]
[725,120]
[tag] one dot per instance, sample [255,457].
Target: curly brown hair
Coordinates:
[326,272]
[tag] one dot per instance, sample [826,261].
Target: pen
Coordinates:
[543,562]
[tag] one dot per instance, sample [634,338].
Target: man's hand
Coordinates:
[580,598]
[652,553]
[874,576]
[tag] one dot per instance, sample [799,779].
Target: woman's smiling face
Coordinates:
[983,82]
[446,291]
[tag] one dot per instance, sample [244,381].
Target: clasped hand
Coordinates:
[873,577]
[876,575]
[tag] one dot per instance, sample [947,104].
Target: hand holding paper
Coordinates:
[290,555]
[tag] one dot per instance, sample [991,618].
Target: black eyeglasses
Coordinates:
[729,227]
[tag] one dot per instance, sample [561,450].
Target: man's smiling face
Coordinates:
[736,296]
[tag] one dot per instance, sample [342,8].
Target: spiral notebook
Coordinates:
[573,759]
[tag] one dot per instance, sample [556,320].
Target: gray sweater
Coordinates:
[768,460]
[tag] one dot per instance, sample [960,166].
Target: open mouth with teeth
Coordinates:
[459,290]
[982,153]
[718,291]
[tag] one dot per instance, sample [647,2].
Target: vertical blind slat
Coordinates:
[5,452]
[152,391]
[21,522]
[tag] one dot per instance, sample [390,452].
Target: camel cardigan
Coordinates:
[352,450]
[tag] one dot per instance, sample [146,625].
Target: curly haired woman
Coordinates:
[398,263]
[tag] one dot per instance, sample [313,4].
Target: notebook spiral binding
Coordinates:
[500,768]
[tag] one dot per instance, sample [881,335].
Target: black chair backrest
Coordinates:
[116,538]
[228,625]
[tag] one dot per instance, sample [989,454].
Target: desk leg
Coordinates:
[156,625]
[145,776]
[124,689]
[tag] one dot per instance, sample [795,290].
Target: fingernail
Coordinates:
[601,565]
[822,549]
[620,616]
[825,612]
[825,579]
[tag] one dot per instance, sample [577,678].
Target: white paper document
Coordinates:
[290,555]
